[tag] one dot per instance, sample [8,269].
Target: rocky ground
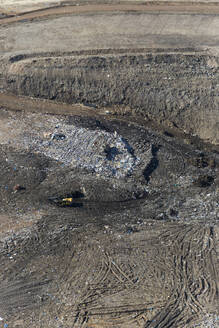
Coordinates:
[109,169]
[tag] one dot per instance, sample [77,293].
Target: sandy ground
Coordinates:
[29,5]
[130,31]
[75,32]
[84,7]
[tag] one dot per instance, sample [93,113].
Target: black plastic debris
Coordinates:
[18,187]
[58,136]
[111,152]
[168,134]
[203,181]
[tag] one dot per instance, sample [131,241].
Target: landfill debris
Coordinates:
[47,135]
[173,212]
[168,134]
[162,216]
[131,230]
[98,151]
[18,187]
[202,161]
[203,181]
[111,152]
[58,136]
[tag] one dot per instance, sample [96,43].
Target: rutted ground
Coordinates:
[131,251]
[167,68]
[109,218]
[128,279]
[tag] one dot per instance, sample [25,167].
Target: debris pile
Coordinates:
[98,151]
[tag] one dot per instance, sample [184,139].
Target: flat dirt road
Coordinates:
[199,8]
[109,165]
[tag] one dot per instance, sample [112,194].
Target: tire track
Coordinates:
[188,293]
[140,266]
[98,283]
[99,8]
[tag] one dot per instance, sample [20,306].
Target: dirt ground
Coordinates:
[126,54]
[20,6]
[108,210]
[141,250]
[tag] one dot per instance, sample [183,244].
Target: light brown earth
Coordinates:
[173,38]
[21,6]
[127,81]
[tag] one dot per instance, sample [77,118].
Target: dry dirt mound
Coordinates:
[174,87]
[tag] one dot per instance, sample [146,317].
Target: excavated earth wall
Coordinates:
[180,88]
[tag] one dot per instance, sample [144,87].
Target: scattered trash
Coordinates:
[173,212]
[131,230]
[1,319]
[211,163]
[47,135]
[168,134]
[162,216]
[58,136]
[112,156]
[18,187]
[111,152]
[203,181]
[89,105]
[202,161]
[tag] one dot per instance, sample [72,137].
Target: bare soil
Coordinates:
[151,85]
[108,210]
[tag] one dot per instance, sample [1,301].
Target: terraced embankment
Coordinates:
[163,66]
[180,88]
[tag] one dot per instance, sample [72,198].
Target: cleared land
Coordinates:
[20,6]
[108,198]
